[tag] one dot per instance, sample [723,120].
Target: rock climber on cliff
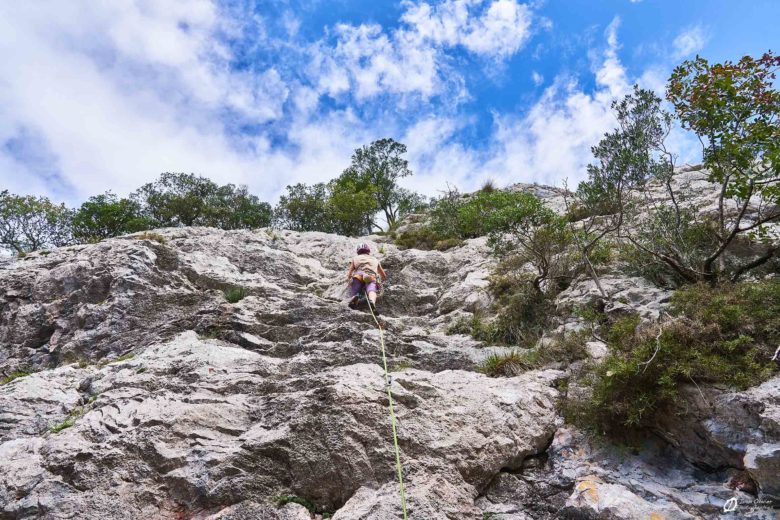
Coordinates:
[365,274]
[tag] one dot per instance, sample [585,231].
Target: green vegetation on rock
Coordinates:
[721,336]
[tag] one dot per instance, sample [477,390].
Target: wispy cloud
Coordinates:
[690,41]
[107,95]
[368,61]
[115,93]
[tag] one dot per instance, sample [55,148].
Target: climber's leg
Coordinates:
[355,288]
[371,290]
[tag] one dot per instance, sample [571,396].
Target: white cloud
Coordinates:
[117,92]
[550,142]
[497,32]
[113,93]
[368,61]
[690,41]
[107,95]
[537,78]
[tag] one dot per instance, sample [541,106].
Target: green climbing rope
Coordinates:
[392,412]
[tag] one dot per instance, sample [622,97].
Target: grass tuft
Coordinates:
[489,186]
[13,376]
[235,294]
[70,420]
[155,237]
[507,364]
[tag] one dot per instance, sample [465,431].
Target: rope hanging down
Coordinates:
[392,412]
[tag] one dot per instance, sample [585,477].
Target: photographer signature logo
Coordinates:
[731,505]
[748,506]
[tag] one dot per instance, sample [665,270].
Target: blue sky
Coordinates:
[99,96]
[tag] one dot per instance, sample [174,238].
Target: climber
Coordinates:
[365,274]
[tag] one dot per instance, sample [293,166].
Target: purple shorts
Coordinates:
[357,285]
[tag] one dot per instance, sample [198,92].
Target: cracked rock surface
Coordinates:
[150,396]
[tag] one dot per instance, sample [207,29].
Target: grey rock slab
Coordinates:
[195,423]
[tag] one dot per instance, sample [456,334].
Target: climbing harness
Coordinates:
[388,383]
[366,278]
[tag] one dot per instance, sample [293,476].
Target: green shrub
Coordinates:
[305,502]
[475,326]
[718,336]
[489,186]
[427,239]
[156,237]
[70,420]
[235,294]
[13,376]
[454,217]
[507,364]
[486,212]
[564,348]
[602,252]
[522,313]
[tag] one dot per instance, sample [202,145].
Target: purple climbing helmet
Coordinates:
[363,248]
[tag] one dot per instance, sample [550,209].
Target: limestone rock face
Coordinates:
[150,395]
[153,397]
[735,429]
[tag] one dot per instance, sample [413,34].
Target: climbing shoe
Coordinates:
[373,308]
[353,303]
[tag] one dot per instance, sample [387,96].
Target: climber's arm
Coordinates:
[382,272]
[350,271]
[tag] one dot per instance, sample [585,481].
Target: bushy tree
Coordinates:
[179,199]
[734,109]
[627,159]
[350,203]
[444,219]
[29,223]
[105,216]
[352,209]
[304,208]
[527,229]
[233,207]
[175,199]
[375,170]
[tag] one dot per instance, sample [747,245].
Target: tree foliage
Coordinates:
[349,204]
[734,110]
[375,171]
[105,216]
[304,208]
[725,335]
[179,199]
[29,223]
[523,226]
